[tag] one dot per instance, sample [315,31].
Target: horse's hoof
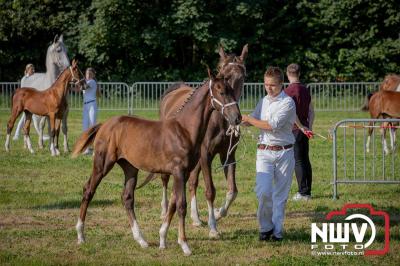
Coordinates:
[32,151]
[214,234]
[185,248]
[162,246]
[81,241]
[57,152]
[143,244]
[197,223]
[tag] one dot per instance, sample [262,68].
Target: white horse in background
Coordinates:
[56,61]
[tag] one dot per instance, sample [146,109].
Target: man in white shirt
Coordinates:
[274,115]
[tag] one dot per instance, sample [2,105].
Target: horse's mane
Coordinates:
[171,88]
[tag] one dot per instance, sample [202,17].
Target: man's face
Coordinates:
[272,86]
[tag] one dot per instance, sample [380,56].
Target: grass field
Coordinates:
[40,197]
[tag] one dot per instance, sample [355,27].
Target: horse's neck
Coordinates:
[196,114]
[60,86]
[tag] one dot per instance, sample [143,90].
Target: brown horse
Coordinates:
[383,104]
[391,82]
[170,146]
[51,102]
[216,141]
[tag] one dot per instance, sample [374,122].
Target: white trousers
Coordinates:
[89,115]
[273,181]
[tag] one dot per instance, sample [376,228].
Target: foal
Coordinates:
[215,141]
[51,102]
[385,104]
[169,146]
[391,82]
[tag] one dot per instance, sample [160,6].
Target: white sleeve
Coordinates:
[257,111]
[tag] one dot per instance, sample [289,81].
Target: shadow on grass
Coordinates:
[72,204]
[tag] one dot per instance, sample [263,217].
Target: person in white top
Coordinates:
[275,116]
[89,101]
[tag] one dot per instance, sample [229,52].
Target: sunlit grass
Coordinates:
[40,197]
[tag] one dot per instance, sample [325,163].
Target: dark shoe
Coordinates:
[276,239]
[265,236]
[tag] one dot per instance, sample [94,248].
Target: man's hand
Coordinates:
[245,120]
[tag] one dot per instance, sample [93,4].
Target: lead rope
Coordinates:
[231,131]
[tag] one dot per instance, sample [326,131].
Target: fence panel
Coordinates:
[348,96]
[6,90]
[344,96]
[353,163]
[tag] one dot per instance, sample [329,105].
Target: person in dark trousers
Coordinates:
[305,113]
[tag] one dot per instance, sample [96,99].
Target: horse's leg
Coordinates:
[205,161]
[178,199]
[52,119]
[383,134]
[370,129]
[164,200]
[128,198]
[64,127]
[57,134]
[392,138]
[180,191]
[10,125]
[27,127]
[230,175]
[102,164]
[193,184]
[167,219]
[38,123]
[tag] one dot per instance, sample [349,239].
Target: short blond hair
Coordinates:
[274,72]
[293,70]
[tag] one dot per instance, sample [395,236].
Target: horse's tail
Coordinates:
[85,140]
[365,107]
[150,177]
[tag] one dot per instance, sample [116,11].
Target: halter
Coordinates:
[213,99]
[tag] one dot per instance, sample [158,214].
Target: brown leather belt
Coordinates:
[273,147]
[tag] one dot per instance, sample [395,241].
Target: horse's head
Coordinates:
[57,55]
[233,69]
[77,78]
[223,99]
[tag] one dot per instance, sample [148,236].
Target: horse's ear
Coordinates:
[61,39]
[55,38]
[74,62]
[221,52]
[245,51]
[210,74]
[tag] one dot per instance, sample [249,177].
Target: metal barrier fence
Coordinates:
[352,164]
[347,96]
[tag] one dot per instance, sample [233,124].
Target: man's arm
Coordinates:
[311,115]
[251,121]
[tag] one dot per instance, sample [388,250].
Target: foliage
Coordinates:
[132,40]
